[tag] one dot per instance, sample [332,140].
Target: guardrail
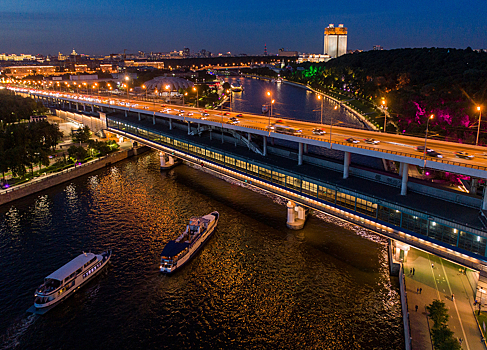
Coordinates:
[405,154]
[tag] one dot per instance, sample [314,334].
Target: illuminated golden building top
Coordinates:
[336,31]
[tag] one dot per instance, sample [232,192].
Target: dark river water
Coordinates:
[291,102]
[255,284]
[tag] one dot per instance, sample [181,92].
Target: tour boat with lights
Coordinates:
[66,280]
[178,252]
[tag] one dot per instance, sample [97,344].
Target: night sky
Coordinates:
[108,26]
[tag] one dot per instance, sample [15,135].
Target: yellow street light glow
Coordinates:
[268,93]
[432,116]
[478,108]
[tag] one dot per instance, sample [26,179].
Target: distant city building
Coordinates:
[265,49]
[284,53]
[37,118]
[377,48]
[14,57]
[315,58]
[186,52]
[335,43]
[23,71]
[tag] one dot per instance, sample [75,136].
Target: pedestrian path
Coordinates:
[436,278]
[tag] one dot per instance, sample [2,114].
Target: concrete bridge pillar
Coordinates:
[400,251]
[69,104]
[170,124]
[93,108]
[84,107]
[484,202]
[265,146]
[474,184]
[346,164]
[101,108]
[404,174]
[77,106]
[296,216]
[126,114]
[189,128]
[300,155]
[249,137]
[167,160]
[154,118]
[138,116]
[306,148]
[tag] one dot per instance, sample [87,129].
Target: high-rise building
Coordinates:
[377,48]
[335,41]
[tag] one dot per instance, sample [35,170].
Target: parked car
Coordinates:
[352,140]
[464,155]
[371,141]
[318,131]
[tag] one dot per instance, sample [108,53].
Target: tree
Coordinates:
[77,153]
[81,135]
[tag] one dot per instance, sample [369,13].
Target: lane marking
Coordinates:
[455,304]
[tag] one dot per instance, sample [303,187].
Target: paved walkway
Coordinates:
[439,279]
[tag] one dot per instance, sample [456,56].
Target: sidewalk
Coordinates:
[439,281]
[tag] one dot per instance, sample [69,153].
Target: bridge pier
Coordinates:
[84,107]
[296,216]
[170,124]
[346,164]
[189,128]
[403,169]
[484,202]
[138,116]
[300,155]
[249,137]
[77,107]
[167,161]
[265,146]
[154,118]
[400,251]
[306,148]
[126,114]
[92,108]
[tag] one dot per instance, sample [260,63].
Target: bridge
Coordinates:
[294,167]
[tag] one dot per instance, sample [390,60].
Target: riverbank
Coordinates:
[54,179]
[345,104]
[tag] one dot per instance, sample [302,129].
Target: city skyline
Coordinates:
[95,28]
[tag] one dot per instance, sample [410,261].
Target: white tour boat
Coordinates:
[178,252]
[66,280]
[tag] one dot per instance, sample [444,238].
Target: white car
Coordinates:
[352,140]
[190,114]
[318,131]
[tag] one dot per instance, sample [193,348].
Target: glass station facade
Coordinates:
[368,207]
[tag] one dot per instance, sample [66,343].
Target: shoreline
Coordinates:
[17,192]
[368,125]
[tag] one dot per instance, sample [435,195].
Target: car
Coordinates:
[204,117]
[190,114]
[146,107]
[181,111]
[421,149]
[371,141]
[226,113]
[434,154]
[239,116]
[204,114]
[180,114]
[464,155]
[318,131]
[352,140]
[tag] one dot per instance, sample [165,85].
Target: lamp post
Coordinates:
[426,138]
[127,80]
[331,123]
[197,99]
[145,88]
[185,94]
[321,114]
[168,87]
[270,109]
[385,113]
[478,128]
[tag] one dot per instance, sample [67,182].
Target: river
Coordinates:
[256,284]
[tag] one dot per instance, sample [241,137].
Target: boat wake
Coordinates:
[11,339]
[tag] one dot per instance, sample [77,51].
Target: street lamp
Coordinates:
[385,113]
[145,88]
[426,138]
[185,94]
[321,114]
[127,80]
[168,87]
[197,99]
[478,128]
[331,123]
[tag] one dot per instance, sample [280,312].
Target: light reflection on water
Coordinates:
[255,282]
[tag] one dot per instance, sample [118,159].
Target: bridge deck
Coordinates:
[432,206]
